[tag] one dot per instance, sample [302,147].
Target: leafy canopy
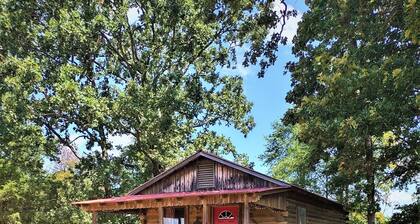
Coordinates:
[355,95]
[76,74]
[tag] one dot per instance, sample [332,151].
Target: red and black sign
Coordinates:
[226,214]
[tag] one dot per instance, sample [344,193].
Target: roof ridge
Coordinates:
[210,156]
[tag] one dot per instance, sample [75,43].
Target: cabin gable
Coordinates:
[205,186]
[205,174]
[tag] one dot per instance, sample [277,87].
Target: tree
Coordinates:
[288,160]
[409,214]
[87,71]
[28,193]
[355,94]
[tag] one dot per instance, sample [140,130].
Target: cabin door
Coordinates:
[226,215]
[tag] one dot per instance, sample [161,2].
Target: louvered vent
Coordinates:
[205,175]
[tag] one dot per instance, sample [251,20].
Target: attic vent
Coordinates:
[205,175]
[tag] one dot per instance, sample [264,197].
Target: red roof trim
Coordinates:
[143,197]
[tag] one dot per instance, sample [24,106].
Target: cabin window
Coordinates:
[205,175]
[174,216]
[301,211]
[226,215]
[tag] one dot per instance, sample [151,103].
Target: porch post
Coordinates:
[206,213]
[160,215]
[94,218]
[246,210]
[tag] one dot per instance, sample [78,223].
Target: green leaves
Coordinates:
[293,161]
[353,84]
[75,74]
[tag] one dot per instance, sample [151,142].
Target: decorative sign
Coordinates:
[226,215]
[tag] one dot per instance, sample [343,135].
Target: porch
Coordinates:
[258,205]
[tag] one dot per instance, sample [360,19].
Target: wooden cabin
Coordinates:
[207,189]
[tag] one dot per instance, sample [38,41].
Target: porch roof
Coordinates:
[145,197]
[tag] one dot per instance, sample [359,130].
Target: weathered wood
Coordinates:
[246,174]
[277,201]
[267,216]
[171,202]
[226,178]
[246,210]
[270,206]
[187,214]
[152,216]
[206,214]
[160,209]
[316,213]
[256,215]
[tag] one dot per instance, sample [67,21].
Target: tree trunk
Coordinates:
[105,148]
[371,201]
[370,177]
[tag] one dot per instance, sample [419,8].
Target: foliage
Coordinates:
[76,74]
[359,218]
[409,214]
[355,95]
[288,160]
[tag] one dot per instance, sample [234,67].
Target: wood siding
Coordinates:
[152,216]
[226,178]
[276,201]
[267,216]
[256,216]
[316,213]
[194,213]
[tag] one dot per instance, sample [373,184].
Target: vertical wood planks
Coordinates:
[160,210]
[246,210]
[206,214]
[225,177]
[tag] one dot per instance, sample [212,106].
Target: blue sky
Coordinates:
[268,96]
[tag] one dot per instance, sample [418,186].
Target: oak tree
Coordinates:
[78,74]
[355,92]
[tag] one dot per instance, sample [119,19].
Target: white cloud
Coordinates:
[394,198]
[400,197]
[291,26]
